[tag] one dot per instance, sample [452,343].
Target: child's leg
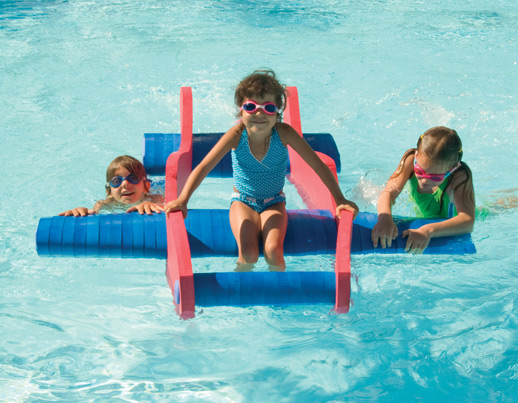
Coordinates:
[246,225]
[274,221]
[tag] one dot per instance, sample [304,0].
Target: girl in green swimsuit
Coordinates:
[437,177]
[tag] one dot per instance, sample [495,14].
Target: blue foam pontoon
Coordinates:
[259,288]
[144,236]
[158,147]
[208,232]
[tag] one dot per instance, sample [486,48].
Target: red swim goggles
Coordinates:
[421,173]
[269,107]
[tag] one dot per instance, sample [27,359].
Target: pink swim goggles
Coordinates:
[421,173]
[269,107]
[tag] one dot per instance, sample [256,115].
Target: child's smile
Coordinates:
[127,192]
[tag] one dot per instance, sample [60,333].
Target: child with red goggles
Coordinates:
[440,185]
[258,144]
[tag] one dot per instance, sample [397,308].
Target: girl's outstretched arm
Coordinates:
[84,211]
[229,140]
[463,196]
[289,136]
[385,230]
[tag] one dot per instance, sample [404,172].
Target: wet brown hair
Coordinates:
[258,84]
[133,165]
[443,145]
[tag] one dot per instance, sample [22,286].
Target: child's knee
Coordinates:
[249,256]
[274,252]
[249,252]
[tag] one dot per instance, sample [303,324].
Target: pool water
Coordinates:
[82,80]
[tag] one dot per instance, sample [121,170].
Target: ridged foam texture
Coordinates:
[362,243]
[158,146]
[105,235]
[144,236]
[264,288]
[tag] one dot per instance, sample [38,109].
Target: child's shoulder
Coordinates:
[286,132]
[232,136]
[405,168]
[406,164]
[409,154]
[235,132]
[283,127]
[461,175]
[407,160]
[156,198]
[100,204]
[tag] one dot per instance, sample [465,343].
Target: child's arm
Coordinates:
[289,136]
[229,140]
[462,223]
[84,211]
[385,230]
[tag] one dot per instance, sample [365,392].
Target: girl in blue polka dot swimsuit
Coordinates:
[259,160]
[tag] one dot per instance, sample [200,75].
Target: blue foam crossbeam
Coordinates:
[263,288]
[158,147]
[144,236]
[447,245]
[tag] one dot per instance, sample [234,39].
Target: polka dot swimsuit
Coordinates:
[259,183]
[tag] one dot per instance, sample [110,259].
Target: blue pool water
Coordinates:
[82,80]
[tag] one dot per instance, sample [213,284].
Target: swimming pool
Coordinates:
[82,80]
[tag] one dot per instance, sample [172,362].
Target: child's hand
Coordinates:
[78,212]
[384,231]
[418,240]
[146,207]
[349,206]
[176,205]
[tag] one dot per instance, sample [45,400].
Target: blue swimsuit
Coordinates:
[259,184]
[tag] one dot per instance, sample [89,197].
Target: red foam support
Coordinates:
[312,190]
[292,111]
[179,165]
[343,262]
[316,195]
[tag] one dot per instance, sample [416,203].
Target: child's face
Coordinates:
[127,192]
[430,167]
[259,121]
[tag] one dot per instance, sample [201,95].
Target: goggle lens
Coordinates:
[249,107]
[269,108]
[421,173]
[117,180]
